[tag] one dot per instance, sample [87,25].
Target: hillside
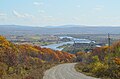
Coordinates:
[102,62]
[69,29]
[19,59]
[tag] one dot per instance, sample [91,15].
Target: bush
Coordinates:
[113,72]
[11,70]
[85,69]
[29,77]
[3,69]
[100,70]
[2,72]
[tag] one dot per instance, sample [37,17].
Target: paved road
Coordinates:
[65,71]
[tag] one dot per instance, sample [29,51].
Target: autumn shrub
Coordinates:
[104,62]
[86,69]
[117,61]
[29,77]
[3,69]
[11,70]
[99,69]
[2,72]
[19,60]
[113,71]
[82,67]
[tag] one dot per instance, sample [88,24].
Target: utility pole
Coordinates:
[108,39]
[74,46]
[108,48]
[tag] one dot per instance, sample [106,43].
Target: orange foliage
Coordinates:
[117,61]
[101,52]
[12,54]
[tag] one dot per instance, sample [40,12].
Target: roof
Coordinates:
[83,41]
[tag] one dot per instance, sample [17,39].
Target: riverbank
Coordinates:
[62,45]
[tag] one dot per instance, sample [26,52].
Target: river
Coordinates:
[55,46]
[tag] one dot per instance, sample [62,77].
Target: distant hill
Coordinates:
[65,29]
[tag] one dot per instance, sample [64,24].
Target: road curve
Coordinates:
[64,71]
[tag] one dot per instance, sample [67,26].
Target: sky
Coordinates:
[60,12]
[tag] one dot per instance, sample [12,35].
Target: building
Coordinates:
[84,43]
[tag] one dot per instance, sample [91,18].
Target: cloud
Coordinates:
[48,18]
[28,15]
[21,15]
[3,17]
[3,14]
[98,8]
[75,18]
[41,11]
[38,3]
[17,14]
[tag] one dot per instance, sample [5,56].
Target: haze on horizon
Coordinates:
[60,12]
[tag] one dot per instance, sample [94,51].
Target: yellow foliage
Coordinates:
[4,42]
[98,66]
[80,53]
[34,49]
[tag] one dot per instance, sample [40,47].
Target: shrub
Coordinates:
[11,70]
[85,69]
[3,69]
[113,72]
[29,77]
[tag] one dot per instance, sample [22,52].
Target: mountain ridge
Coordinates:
[65,29]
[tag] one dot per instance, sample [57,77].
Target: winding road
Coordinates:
[65,71]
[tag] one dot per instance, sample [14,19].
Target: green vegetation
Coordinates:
[64,46]
[43,43]
[73,50]
[40,40]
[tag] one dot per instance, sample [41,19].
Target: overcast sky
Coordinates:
[60,12]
